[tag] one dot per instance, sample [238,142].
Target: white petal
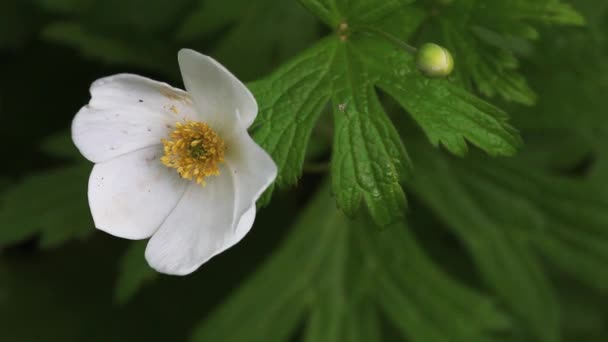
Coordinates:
[221,99]
[243,227]
[200,227]
[131,195]
[252,168]
[127,113]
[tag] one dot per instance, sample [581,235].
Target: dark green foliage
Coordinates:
[347,278]
[504,233]
[343,70]
[487,36]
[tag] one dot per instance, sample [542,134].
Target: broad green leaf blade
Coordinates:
[571,230]
[326,10]
[108,49]
[400,22]
[514,273]
[340,272]
[423,302]
[134,272]
[333,320]
[582,254]
[290,102]
[492,70]
[137,34]
[541,11]
[584,319]
[209,17]
[61,146]
[502,254]
[484,36]
[143,19]
[343,308]
[249,28]
[559,138]
[282,287]
[449,115]
[360,12]
[353,12]
[369,158]
[50,204]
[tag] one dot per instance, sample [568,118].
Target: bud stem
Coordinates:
[405,46]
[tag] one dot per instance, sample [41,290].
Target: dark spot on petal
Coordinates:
[149,129]
[141,101]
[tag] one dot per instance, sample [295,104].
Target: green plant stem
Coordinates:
[405,46]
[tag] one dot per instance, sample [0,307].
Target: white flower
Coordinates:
[174,166]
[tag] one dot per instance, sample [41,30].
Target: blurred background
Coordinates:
[62,280]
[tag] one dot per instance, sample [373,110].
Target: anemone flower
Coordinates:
[175,166]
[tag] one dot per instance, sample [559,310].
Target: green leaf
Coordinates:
[369,158]
[571,212]
[334,12]
[596,17]
[340,321]
[554,139]
[147,35]
[61,146]
[449,115]
[249,28]
[584,320]
[369,161]
[210,16]
[489,69]
[122,18]
[278,286]
[344,275]
[134,272]
[107,48]
[67,295]
[290,101]
[50,204]
[483,37]
[572,233]
[506,214]
[417,307]
[324,9]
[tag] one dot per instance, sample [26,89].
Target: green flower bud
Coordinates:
[434,60]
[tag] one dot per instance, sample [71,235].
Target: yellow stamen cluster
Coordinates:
[194,150]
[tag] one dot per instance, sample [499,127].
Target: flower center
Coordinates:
[194,150]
